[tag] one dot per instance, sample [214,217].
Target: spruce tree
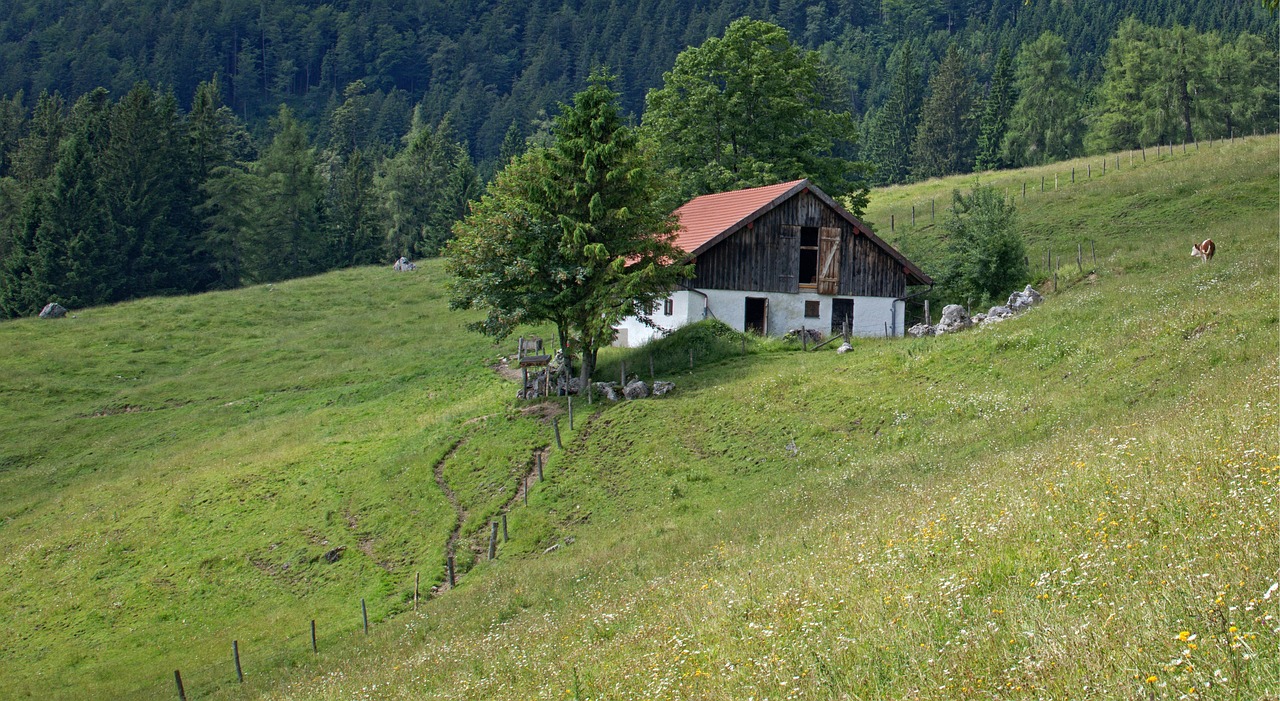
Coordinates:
[995,114]
[420,191]
[891,130]
[286,239]
[147,182]
[1045,125]
[945,139]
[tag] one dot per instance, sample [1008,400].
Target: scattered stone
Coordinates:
[404,264]
[53,310]
[568,540]
[999,311]
[954,318]
[815,336]
[844,348]
[334,555]
[637,389]
[979,318]
[920,330]
[1027,298]
[551,549]
[661,387]
[609,390]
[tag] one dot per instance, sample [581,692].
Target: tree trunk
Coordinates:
[588,366]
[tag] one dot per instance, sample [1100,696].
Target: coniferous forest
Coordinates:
[165,148]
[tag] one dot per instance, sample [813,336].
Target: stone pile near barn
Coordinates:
[955,318]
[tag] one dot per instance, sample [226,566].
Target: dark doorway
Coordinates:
[841,313]
[757,315]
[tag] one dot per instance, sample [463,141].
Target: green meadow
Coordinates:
[1079,502]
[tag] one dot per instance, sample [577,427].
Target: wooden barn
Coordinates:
[781,257]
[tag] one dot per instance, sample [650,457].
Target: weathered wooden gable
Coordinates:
[764,256]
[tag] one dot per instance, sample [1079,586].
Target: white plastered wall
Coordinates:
[871,315]
[786,312]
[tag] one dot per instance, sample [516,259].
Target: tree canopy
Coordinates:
[751,108]
[573,234]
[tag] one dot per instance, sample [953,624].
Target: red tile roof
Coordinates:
[705,221]
[703,218]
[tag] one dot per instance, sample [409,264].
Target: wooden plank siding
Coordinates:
[766,256]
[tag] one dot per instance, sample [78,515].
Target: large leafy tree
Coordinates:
[751,108]
[1045,125]
[945,138]
[572,234]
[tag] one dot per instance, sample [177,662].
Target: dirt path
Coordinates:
[460,514]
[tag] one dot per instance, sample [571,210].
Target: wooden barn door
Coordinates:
[828,260]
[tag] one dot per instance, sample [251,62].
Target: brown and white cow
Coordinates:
[1203,250]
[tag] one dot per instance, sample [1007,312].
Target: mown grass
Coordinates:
[1051,507]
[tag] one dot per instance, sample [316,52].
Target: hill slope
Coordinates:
[1052,506]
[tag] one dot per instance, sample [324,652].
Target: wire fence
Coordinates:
[923,214]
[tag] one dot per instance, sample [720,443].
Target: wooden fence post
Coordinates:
[622,372]
[1024,192]
[891,223]
[235,654]
[930,210]
[1093,253]
[314,648]
[504,528]
[804,338]
[555,425]
[1080,256]
[364,612]
[417,580]
[1073,175]
[1041,183]
[177,679]
[539,466]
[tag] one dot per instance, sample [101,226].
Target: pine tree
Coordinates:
[12,121]
[80,256]
[945,139]
[356,237]
[572,234]
[1127,65]
[147,181]
[286,239]
[1045,125]
[995,114]
[892,129]
[38,150]
[422,190]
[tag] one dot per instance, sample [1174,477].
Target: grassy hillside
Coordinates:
[1076,503]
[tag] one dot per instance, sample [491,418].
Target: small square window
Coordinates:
[669,307]
[812,309]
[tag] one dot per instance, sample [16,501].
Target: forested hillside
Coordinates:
[151,148]
[495,62]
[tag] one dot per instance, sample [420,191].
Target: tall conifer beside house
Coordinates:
[571,234]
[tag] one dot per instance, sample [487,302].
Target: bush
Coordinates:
[986,259]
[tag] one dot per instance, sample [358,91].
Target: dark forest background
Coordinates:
[154,147]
